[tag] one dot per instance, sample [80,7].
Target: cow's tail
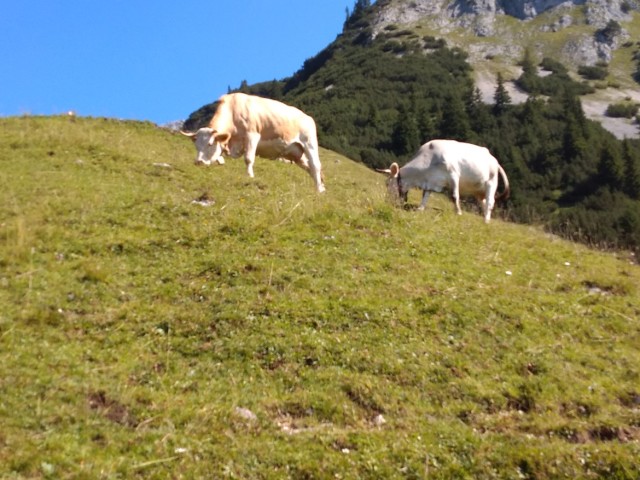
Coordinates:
[507,191]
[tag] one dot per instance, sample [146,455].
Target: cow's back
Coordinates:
[473,161]
[270,118]
[438,160]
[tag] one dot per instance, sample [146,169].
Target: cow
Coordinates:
[462,168]
[250,125]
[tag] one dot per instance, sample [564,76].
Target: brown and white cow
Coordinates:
[462,168]
[250,125]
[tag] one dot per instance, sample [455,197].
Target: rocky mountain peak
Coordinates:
[482,18]
[598,12]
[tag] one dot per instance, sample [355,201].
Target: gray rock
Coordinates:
[245,414]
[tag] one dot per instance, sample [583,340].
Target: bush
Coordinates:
[596,72]
[622,110]
[433,42]
[552,65]
[553,84]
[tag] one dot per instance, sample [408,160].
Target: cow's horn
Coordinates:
[187,134]
[386,171]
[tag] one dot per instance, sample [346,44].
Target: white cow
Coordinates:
[254,125]
[462,168]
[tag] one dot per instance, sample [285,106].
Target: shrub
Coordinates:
[433,42]
[552,65]
[596,72]
[622,110]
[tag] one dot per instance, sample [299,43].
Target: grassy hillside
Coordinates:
[280,334]
[378,101]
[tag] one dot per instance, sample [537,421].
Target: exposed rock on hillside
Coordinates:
[481,18]
[597,12]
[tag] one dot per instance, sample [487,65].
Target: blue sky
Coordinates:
[151,60]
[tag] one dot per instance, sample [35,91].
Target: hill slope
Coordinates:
[497,33]
[378,101]
[279,334]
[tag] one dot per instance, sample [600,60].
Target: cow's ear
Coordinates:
[220,138]
[394,169]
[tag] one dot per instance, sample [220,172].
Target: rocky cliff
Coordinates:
[598,12]
[583,23]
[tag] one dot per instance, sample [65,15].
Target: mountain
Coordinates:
[593,38]
[273,333]
[512,24]
[495,34]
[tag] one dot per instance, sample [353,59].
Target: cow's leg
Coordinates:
[303,163]
[315,168]
[425,197]
[250,151]
[295,153]
[455,194]
[489,200]
[488,209]
[483,203]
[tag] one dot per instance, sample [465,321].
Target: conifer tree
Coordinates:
[358,10]
[610,168]
[426,128]
[455,122]
[501,98]
[573,142]
[528,65]
[373,116]
[529,81]
[572,108]
[631,171]
[405,137]
[478,113]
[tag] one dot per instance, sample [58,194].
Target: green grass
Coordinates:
[135,325]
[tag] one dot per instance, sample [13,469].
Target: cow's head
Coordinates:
[394,183]
[209,144]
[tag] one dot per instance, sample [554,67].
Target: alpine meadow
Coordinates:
[161,320]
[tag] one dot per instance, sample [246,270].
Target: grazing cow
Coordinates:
[255,125]
[462,168]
